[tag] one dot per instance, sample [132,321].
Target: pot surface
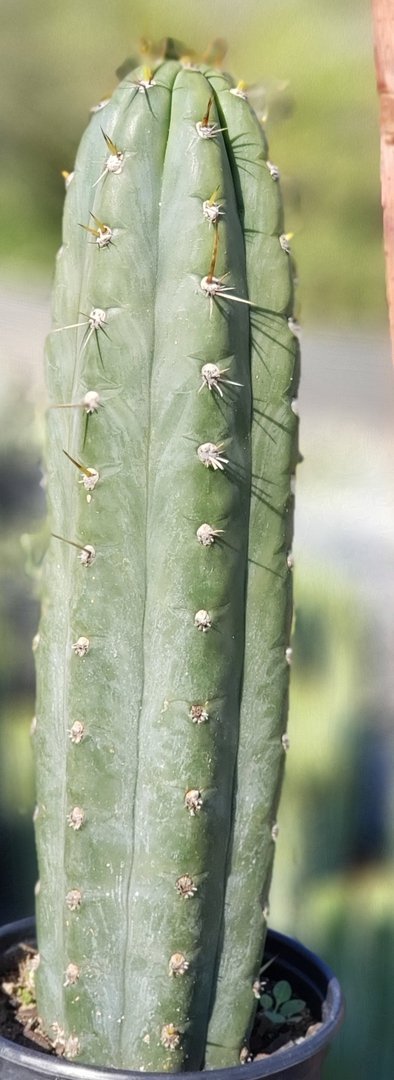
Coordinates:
[309,977]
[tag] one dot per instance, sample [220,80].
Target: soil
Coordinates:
[19,1021]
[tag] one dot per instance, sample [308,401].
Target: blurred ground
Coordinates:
[345,500]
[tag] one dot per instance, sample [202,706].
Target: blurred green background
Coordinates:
[310,65]
[59,59]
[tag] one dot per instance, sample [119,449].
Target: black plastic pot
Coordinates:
[309,977]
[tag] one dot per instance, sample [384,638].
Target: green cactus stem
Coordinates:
[161,662]
[263,716]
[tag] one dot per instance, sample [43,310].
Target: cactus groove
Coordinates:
[161,665]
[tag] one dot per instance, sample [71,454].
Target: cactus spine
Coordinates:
[162,671]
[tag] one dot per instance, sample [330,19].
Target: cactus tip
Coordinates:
[202,620]
[81,647]
[198,714]
[73,899]
[76,731]
[178,964]
[76,818]
[71,974]
[273,170]
[193,801]
[211,456]
[212,376]
[71,1047]
[185,886]
[239,90]
[170,1037]
[206,535]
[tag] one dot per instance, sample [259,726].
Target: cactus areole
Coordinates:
[163,652]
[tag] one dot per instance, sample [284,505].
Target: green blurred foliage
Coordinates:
[318,814]
[58,59]
[350,921]
[21,504]
[329,888]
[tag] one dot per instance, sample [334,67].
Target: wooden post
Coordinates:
[383,15]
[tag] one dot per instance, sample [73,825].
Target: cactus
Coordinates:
[163,650]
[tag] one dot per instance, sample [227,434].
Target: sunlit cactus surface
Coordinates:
[163,651]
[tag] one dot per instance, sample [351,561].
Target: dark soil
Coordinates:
[18,1011]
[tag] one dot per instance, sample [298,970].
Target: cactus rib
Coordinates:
[269,605]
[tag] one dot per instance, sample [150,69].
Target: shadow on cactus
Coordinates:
[163,655]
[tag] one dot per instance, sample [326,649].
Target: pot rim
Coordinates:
[313,969]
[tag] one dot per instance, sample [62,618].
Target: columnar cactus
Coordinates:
[163,652]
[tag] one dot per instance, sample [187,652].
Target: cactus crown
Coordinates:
[163,656]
